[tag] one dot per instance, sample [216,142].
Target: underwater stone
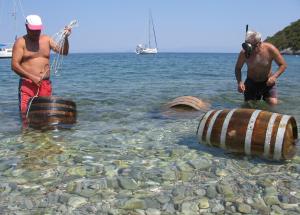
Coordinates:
[127,183]
[164,198]
[218,208]
[152,211]
[28,203]
[134,204]
[76,201]
[244,208]
[271,200]
[200,164]
[78,170]
[227,191]
[169,208]
[211,192]
[221,172]
[203,203]
[189,208]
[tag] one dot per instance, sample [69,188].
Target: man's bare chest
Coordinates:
[36,51]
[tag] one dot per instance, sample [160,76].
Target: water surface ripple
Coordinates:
[125,156]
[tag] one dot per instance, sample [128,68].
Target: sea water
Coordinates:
[125,155]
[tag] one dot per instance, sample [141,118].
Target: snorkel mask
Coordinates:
[247,46]
[252,41]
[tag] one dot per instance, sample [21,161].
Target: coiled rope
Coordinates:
[59,39]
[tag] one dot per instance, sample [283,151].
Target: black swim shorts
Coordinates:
[257,90]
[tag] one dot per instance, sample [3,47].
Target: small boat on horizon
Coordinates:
[5,50]
[148,49]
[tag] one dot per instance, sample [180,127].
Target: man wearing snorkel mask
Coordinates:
[260,81]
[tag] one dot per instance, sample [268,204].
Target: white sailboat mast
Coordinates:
[149,31]
[153,28]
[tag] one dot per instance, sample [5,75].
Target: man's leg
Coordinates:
[272,101]
[45,88]
[270,95]
[27,90]
[251,91]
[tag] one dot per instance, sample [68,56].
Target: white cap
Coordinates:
[34,22]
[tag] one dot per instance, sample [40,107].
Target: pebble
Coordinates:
[203,203]
[244,208]
[76,201]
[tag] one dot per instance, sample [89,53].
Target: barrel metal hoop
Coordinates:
[51,108]
[269,135]
[47,100]
[202,124]
[280,137]
[225,128]
[210,126]
[249,132]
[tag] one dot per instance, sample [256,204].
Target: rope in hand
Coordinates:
[59,38]
[45,71]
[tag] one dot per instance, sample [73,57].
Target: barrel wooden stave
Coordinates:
[188,103]
[237,132]
[51,113]
[291,138]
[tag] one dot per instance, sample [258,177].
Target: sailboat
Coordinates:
[6,48]
[144,49]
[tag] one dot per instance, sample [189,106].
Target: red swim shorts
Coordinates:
[28,89]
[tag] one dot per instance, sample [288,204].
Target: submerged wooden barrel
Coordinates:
[188,103]
[249,131]
[51,113]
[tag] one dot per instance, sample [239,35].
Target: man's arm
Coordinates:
[238,71]
[17,55]
[64,50]
[279,61]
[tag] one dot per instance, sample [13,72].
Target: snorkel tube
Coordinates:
[247,46]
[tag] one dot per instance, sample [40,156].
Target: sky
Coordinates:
[181,25]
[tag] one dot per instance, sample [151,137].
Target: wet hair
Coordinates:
[253,37]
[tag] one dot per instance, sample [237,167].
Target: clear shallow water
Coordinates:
[125,145]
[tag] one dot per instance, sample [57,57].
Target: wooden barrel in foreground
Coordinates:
[51,113]
[249,131]
[188,103]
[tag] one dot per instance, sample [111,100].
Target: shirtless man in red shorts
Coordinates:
[31,59]
[260,81]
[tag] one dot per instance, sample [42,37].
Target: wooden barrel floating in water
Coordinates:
[51,113]
[249,131]
[188,103]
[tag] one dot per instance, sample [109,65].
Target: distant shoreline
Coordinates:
[289,51]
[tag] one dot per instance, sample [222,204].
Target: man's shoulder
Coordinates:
[44,37]
[269,45]
[272,49]
[20,40]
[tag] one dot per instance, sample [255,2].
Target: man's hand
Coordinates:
[241,87]
[67,31]
[271,81]
[36,79]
